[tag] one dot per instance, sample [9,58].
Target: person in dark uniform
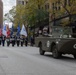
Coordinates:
[8,41]
[0,39]
[13,40]
[32,40]
[3,40]
[8,36]
[0,35]
[26,41]
[18,40]
[21,40]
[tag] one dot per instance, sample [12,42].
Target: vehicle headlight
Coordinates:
[70,36]
[57,42]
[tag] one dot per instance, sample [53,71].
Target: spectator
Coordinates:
[32,40]
[26,41]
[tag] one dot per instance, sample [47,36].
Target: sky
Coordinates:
[7,5]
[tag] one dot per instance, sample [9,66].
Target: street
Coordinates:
[27,61]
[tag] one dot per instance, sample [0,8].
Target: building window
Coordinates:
[26,2]
[69,2]
[53,6]
[56,5]
[59,5]
[47,6]
[19,2]
[22,2]
[59,8]
[65,2]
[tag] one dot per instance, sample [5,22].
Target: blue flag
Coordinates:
[18,30]
[4,27]
[4,32]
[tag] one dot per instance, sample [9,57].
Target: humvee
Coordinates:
[59,42]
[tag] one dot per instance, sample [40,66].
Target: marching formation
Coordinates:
[19,39]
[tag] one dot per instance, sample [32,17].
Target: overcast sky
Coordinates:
[8,4]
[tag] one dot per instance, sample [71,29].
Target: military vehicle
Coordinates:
[60,41]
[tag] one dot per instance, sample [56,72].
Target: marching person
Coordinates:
[0,35]
[21,40]
[8,37]
[18,40]
[0,39]
[13,40]
[8,41]
[24,33]
[4,34]
[3,40]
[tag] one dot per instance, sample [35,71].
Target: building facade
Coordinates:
[22,2]
[61,8]
[1,13]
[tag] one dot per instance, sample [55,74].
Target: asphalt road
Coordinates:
[27,61]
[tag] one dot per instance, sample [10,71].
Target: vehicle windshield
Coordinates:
[62,30]
[57,31]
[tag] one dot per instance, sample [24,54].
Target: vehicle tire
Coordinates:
[40,50]
[55,52]
[74,56]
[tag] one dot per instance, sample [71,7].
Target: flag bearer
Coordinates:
[18,40]
[13,40]
[22,40]
[3,40]
[24,32]
[8,37]
[4,34]
[8,41]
